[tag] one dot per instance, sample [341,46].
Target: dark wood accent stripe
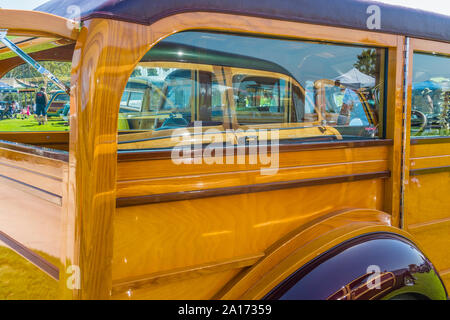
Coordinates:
[141,155]
[43,194]
[38,151]
[31,256]
[430,140]
[263,187]
[418,172]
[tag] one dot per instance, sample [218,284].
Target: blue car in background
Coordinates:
[57,102]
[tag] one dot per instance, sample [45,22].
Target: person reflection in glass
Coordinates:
[428,101]
[352,112]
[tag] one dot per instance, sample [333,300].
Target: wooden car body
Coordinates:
[106,214]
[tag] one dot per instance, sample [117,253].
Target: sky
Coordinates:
[439,6]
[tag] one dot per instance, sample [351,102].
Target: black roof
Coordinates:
[341,13]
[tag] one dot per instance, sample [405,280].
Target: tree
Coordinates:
[367,62]
[60,69]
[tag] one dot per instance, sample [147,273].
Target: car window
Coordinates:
[198,81]
[430,100]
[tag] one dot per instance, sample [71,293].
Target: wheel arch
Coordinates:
[378,265]
[301,252]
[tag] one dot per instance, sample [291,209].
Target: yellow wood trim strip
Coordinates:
[23,22]
[141,282]
[444,272]
[427,223]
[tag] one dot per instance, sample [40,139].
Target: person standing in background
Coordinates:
[41,104]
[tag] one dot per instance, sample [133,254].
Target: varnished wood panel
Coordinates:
[31,190]
[25,43]
[152,280]
[433,239]
[445,276]
[430,162]
[197,288]
[31,179]
[30,220]
[430,150]
[394,126]
[311,238]
[25,163]
[234,179]
[243,189]
[24,22]
[427,203]
[428,198]
[51,154]
[172,235]
[423,45]
[105,55]
[166,168]
[142,155]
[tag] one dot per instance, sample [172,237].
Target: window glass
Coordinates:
[198,81]
[18,90]
[430,114]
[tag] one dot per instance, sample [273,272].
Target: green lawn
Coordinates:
[31,124]
[21,280]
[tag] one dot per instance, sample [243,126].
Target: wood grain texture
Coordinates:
[142,155]
[143,282]
[104,57]
[433,239]
[152,169]
[196,288]
[189,233]
[428,46]
[175,234]
[33,150]
[430,150]
[298,238]
[243,189]
[154,241]
[394,116]
[427,202]
[30,219]
[25,43]
[429,140]
[31,190]
[24,22]
[138,40]
[162,176]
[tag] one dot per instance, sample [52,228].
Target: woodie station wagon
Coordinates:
[352,115]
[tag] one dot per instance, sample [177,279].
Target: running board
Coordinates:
[25,57]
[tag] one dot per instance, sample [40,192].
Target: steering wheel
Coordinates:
[418,119]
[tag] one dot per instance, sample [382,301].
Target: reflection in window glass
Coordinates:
[199,81]
[18,89]
[430,98]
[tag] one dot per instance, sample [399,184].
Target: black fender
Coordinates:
[378,265]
